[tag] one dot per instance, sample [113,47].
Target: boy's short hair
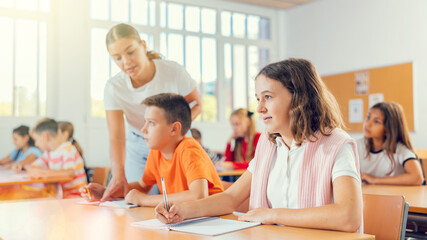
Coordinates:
[48,125]
[175,106]
[196,133]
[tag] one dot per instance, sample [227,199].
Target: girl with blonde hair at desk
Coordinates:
[305,169]
[386,152]
[241,145]
[66,132]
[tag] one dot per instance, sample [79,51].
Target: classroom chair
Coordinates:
[100,175]
[422,155]
[385,216]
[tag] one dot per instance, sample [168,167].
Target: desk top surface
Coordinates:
[64,219]
[416,196]
[231,172]
[9,177]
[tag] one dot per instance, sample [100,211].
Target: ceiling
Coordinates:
[280,4]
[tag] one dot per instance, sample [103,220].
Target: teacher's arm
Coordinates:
[194,96]
[116,129]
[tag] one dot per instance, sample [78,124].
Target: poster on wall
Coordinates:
[362,83]
[375,98]
[355,107]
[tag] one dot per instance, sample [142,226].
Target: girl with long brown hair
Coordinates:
[386,152]
[305,169]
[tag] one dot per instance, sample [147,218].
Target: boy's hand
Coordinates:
[134,196]
[175,214]
[95,190]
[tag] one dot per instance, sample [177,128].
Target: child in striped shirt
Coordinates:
[60,158]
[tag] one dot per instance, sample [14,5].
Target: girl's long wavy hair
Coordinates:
[313,107]
[396,131]
[250,134]
[123,30]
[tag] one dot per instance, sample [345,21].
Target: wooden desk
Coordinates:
[63,219]
[9,177]
[416,196]
[231,172]
[14,186]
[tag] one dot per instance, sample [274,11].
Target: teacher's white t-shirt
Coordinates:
[119,94]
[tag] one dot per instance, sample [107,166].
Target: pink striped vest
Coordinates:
[315,178]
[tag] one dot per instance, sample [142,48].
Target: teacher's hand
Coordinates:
[118,187]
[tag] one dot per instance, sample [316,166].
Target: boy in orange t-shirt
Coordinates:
[186,168]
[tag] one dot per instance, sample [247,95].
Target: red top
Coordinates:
[229,155]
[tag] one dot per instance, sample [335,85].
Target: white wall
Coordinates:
[347,35]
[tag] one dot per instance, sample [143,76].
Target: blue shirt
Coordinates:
[23,155]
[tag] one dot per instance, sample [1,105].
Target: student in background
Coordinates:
[66,133]
[386,152]
[198,136]
[180,160]
[60,158]
[242,144]
[305,169]
[143,75]
[25,152]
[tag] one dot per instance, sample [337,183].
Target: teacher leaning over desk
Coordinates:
[143,74]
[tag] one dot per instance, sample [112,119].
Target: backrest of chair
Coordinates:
[422,154]
[384,216]
[100,175]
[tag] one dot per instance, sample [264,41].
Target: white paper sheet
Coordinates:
[205,226]
[117,203]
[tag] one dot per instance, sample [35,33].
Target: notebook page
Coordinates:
[204,225]
[156,224]
[116,203]
[214,226]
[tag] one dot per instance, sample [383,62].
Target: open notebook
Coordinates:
[205,225]
[116,203]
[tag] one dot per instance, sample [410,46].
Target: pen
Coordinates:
[88,193]
[165,198]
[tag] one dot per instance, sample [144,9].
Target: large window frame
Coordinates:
[43,19]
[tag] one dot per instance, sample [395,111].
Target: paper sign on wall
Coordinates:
[362,83]
[355,111]
[375,98]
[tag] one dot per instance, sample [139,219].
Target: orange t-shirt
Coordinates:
[189,162]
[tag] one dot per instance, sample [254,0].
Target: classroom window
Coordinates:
[23,57]
[194,36]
